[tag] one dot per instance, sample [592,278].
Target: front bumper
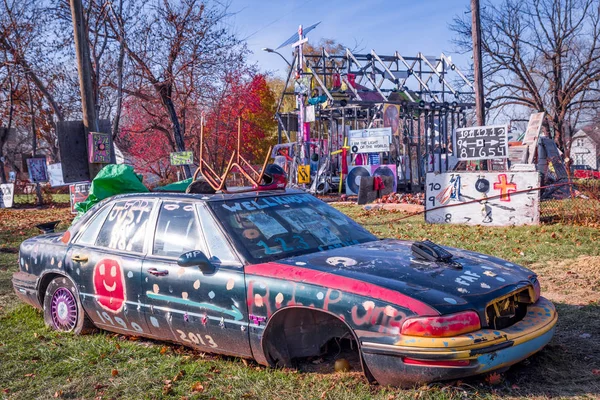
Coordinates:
[482,351]
[25,286]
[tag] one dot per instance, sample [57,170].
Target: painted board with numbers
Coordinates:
[490,198]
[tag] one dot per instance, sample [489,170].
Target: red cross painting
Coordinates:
[505,187]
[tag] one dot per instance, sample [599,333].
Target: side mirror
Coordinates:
[196,258]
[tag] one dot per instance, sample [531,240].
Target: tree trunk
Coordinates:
[170,108]
[120,61]
[38,190]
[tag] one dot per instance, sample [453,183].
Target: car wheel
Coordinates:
[62,309]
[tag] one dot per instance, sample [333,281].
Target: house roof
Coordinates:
[592,131]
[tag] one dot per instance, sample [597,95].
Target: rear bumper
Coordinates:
[479,352]
[25,286]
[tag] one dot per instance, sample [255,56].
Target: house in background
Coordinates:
[585,146]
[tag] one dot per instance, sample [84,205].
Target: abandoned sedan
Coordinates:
[276,276]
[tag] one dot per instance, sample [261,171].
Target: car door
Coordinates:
[200,309]
[106,259]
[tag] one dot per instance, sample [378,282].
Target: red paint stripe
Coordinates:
[349,285]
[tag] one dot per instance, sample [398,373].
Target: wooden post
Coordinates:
[201,156]
[84,66]
[38,189]
[478,69]
[239,139]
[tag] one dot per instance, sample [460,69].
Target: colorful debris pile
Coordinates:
[403,198]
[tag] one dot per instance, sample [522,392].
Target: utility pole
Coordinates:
[478,81]
[38,189]
[84,66]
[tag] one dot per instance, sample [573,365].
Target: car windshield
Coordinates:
[276,227]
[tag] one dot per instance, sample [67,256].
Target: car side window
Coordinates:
[88,236]
[217,244]
[126,225]
[177,230]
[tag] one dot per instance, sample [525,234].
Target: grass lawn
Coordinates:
[38,363]
[31,199]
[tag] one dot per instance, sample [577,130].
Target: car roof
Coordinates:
[210,197]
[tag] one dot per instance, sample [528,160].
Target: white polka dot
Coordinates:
[211,294]
[130,274]
[154,322]
[500,279]
[279,298]
[320,296]
[450,300]
[300,263]
[368,305]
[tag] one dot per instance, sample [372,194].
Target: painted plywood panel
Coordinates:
[483,198]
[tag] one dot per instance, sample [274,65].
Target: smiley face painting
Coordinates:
[109,285]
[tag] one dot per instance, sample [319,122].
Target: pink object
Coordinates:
[306,131]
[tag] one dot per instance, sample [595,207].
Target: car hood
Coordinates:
[391,264]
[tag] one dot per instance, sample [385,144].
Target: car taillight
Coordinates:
[442,326]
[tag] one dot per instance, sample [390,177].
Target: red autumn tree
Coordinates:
[246,97]
[145,139]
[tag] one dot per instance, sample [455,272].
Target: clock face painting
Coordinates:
[99,147]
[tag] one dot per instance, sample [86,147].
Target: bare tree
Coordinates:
[20,26]
[543,55]
[172,40]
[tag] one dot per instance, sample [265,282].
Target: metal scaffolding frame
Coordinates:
[431,93]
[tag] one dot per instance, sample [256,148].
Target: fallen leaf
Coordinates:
[99,386]
[115,372]
[29,375]
[596,371]
[58,394]
[179,375]
[167,389]
[494,378]
[197,387]
[163,349]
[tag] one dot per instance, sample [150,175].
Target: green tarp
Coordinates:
[111,180]
[175,186]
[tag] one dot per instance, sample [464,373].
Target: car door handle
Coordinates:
[156,272]
[78,258]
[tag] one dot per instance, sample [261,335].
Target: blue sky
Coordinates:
[407,26]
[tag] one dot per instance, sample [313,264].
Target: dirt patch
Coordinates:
[575,281]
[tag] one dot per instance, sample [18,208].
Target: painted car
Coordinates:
[276,276]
